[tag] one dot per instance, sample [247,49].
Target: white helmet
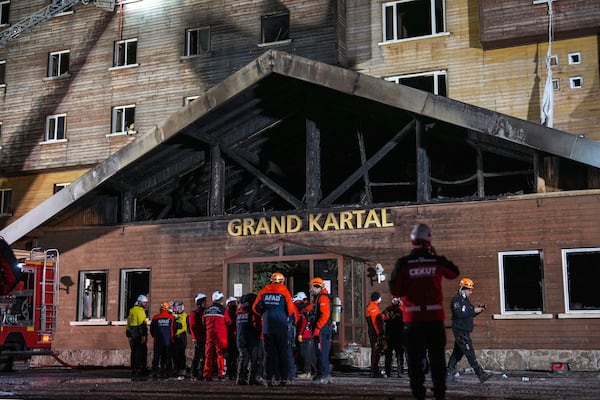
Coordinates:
[230,299]
[299,296]
[217,296]
[199,297]
[141,299]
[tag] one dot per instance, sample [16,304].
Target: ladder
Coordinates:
[49,291]
[54,8]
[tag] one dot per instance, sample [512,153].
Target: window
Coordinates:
[412,18]
[275,28]
[521,282]
[574,58]
[59,186]
[123,119]
[197,41]
[581,273]
[56,126]
[432,82]
[5,201]
[556,85]
[92,295]
[4,9]
[58,63]
[553,60]
[125,53]
[576,82]
[2,72]
[133,283]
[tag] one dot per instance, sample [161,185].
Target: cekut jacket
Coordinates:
[417,280]
[196,327]
[216,330]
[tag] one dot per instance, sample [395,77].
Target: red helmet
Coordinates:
[277,277]
[466,283]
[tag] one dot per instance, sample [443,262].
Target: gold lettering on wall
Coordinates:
[344,220]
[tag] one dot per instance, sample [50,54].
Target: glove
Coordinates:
[316,332]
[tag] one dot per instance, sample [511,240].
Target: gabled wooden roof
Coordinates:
[286,132]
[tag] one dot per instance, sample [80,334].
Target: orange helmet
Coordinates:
[277,277]
[165,305]
[466,283]
[318,282]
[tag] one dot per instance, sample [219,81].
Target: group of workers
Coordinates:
[255,337]
[254,340]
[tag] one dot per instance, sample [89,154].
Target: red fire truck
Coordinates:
[28,312]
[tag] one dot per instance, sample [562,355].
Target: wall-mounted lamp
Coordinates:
[67,281]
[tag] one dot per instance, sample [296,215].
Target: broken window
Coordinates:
[432,82]
[412,18]
[2,72]
[581,273]
[92,295]
[58,63]
[4,9]
[275,27]
[56,127]
[197,41]
[521,282]
[5,202]
[125,53]
[134,282]
[123,119]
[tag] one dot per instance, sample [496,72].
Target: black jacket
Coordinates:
[462,313]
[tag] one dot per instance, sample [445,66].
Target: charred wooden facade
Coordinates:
[276,136]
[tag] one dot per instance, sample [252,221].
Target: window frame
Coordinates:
[125,299]
[503,308]
[81,294]
[2,73]
[199,49]
[433,21]
[56,57]
[57,187]
[6,202]
[55,134]
[435,75]
[264,19]
[4,12]
[566,285]
[126,46]
[124,128]
[573,82]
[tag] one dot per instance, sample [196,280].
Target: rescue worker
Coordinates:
[162,329]
[375,331]
[231,306]
[417,280]
[10,273]
[197,331]
[248,341]
[304,339]
[137,335]
[216,337]
[321,324]
[274,303]
[393,336]
[462,326]
[180,342]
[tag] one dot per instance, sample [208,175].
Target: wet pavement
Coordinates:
[115,384]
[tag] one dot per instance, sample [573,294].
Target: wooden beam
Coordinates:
[216,204]
[356,175]
[313,164]
[423,172]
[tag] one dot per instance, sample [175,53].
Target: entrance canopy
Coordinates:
[288,133]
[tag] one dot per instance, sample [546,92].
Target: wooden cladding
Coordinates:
[515,22]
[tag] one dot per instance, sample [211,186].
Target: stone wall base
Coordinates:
[494,360]
[504,360]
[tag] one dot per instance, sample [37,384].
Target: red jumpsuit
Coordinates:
[216,340]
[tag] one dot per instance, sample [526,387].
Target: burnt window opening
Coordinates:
[521,282]
[275,27]
[432,82]
[412,18]
[581,272]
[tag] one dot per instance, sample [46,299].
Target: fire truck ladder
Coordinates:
[49,292]
[54,8]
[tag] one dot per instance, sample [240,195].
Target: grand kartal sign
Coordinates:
[292,223]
